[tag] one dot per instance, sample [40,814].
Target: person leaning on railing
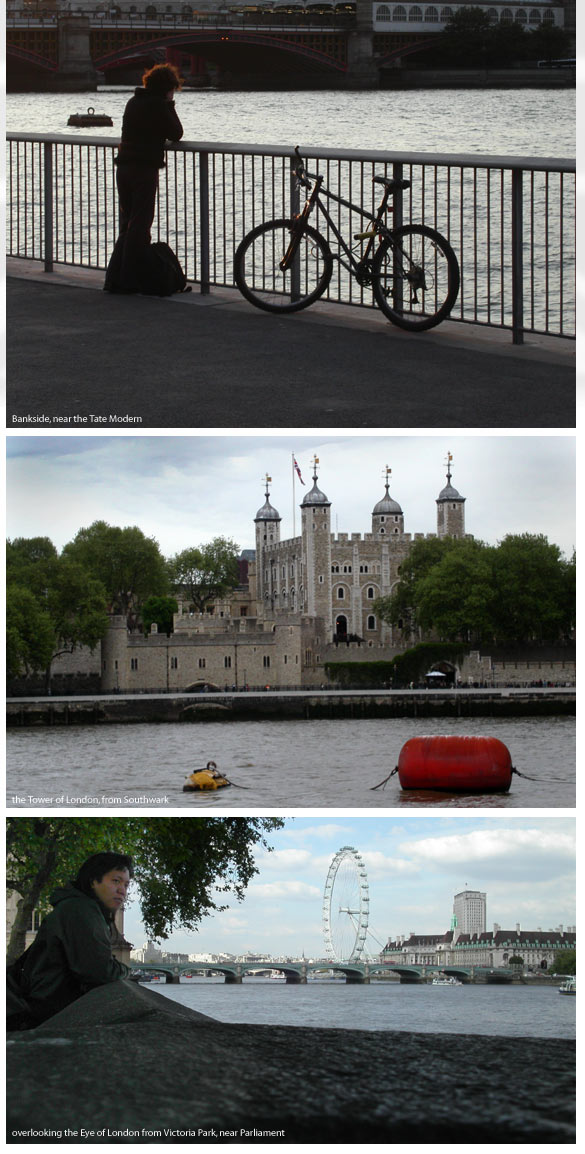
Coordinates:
[72,952]
[149,120]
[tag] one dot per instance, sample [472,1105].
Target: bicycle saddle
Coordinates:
[390,183]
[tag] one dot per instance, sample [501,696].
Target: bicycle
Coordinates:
[285,265]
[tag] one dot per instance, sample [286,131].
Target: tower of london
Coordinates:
[302,597]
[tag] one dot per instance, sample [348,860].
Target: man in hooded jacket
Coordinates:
[72,952]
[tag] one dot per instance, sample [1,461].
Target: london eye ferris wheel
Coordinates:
[346,907]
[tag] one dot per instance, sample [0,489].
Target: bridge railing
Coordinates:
[510,220]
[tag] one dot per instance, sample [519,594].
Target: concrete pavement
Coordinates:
[79,357]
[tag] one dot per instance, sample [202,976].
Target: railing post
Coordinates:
[397,220]
[517,259]
[295,206]
[204,220]
[48,203]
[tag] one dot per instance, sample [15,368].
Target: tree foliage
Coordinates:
[53,605]
[521,590]
[471,39]
[129,564]
[184,867]
[159,611]
[565,963]
[206,572]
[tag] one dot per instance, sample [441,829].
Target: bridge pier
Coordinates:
[76,72]
[361,69]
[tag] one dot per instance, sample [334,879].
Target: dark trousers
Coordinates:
[137,187]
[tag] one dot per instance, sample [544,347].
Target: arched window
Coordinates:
[341,593]
[506,17]
[415,15]
[548,16]
[492,16]
[151,12]
[446,14]
[371,592]
[371,621]
[534,16]
[383,12]
[521,17]
[431,16]
[399,13]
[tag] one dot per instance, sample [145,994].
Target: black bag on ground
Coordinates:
[161,274]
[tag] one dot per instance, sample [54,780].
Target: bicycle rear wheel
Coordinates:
[258,274]
[415,277]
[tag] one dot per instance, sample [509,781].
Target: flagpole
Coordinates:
[293,487]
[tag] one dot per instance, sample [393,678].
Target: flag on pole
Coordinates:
[295,463]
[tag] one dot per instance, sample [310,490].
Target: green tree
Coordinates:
[532,589]
[455,597]
[206,572]
[129,565]
[30,638]
[159,610]
[400,606]
[548,43]
[521,590]
[64,595]
[184,866]
[565,963]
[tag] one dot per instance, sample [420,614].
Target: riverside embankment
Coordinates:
[283,705]
[126,1065]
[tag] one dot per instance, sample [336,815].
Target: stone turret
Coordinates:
[387,516]
[316,537]
[450,509]
[267,522]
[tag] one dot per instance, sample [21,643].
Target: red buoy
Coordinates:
[455,764]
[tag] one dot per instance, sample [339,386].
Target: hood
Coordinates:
[70,892]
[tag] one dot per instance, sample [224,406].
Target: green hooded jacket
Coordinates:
[71,954]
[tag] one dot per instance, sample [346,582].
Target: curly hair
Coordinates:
[162,78]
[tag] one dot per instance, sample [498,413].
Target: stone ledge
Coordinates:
[125,1061]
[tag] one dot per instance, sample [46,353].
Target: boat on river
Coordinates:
[90,119]
[569,987]
[437,981]
[208,778]
[453,764]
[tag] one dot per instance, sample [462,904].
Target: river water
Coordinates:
[510,1011]
[528,122]
[274,765]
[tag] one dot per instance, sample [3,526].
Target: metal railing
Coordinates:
[510,220]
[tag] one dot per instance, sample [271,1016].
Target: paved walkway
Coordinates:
[78,357]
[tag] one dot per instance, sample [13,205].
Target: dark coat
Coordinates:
[148,121]
[71,954]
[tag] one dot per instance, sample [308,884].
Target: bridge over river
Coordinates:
[297,48]
[299,972]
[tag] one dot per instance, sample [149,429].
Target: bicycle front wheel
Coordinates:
[415,277]
[261,280]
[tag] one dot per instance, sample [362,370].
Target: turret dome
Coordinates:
[386,505]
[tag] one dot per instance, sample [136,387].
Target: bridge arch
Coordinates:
[226,45]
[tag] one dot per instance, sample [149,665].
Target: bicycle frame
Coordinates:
[314,201]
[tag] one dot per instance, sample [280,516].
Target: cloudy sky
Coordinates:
[184,490]
[414,867]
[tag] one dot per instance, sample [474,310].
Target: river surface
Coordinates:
[510,1011]
[529,122]
[274,765]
